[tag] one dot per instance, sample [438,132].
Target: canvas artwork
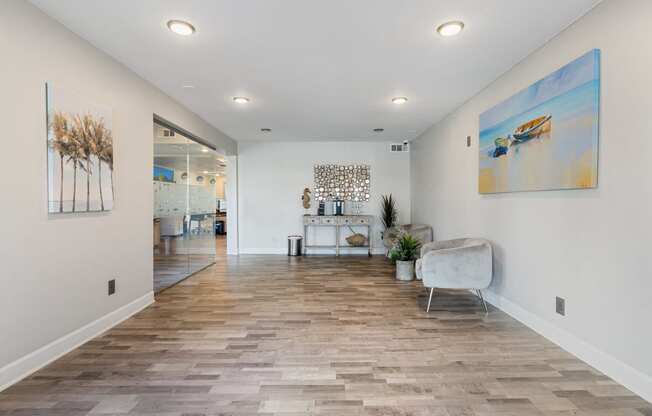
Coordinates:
[546,136]
[163,174]
[80,154]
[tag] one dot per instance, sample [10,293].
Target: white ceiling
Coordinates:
[319,70]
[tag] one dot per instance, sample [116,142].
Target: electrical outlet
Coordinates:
[111,287]
[560,306]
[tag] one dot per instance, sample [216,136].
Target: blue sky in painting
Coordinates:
[576,73]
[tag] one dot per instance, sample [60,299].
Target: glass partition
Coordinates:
[184,207]
[201,207]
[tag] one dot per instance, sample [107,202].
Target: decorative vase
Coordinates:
[404,270]
[338,207]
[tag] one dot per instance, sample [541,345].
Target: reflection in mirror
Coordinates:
[185,207]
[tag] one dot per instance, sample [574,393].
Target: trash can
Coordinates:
[295,246]
[219,227]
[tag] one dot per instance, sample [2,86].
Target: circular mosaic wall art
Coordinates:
[348,183]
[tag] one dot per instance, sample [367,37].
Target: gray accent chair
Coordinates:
[463,263]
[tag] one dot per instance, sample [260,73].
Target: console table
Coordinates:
[336,221]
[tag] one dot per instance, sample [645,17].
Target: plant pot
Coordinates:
[404,270]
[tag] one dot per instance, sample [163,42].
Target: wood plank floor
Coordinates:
[185,257]
[271,335]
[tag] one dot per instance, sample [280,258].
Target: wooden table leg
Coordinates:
[369,238]
[337,240]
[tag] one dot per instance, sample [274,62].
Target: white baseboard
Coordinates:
[283,251]
[14,372]
[262,251]
[634,380]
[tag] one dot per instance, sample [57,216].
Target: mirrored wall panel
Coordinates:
[185,206]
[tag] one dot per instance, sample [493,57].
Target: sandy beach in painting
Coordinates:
[564,154]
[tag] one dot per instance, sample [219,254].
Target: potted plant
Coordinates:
[404,253]
[388,213]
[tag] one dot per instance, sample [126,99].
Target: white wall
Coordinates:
[54,270]
[272,177]
[591,247]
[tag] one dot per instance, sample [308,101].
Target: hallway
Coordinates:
[317,335]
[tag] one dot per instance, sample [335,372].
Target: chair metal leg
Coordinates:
[432,290]
[479,292]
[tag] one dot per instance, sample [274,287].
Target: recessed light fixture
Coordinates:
[450,28]
[204,150]
[241,100]
[266,130]
[180,27]
[188,86]
[399,100]
[379,130]
[205,172]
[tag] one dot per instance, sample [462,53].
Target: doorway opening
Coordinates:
[189,218]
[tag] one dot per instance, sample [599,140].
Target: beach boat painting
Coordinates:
[533,128]
[546,136]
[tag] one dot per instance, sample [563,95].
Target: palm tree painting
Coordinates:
[80,146]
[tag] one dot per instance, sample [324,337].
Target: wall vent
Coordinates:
[399,147]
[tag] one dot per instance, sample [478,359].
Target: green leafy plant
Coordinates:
[406,248]
[388,212]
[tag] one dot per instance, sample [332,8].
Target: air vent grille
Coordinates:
[399,147]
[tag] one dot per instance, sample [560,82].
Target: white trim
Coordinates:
[319,251]
[262,251]
[232,213]
[14,372]
[633,379]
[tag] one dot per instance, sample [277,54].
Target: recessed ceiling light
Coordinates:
[241,100]
[450,28]
[399,100]
[180,27]
[204,150]
[266,130]
[205,172]
[188,86]
[379,130]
